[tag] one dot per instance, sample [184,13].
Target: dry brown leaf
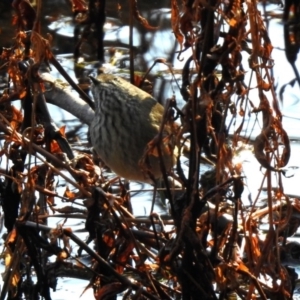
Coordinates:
[108,291]
[69,194]
[109,238]
[62,130]
[139,18]
[243,267]
[79,6]
[62,256]
[54,147]
[186,22]
[17,118]
[255,248]
[175,23]
[12,236]
[220,277]
[50,200]
[122,257]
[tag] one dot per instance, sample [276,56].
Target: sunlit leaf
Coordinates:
[16,118]
[62,130]
[55,147]
[69,194]
[232,22]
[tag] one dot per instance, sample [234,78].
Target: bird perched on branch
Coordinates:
[125,130]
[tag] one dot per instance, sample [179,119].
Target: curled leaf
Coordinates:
[175,23]
[139,18]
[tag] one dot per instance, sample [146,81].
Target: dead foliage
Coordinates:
[211,245]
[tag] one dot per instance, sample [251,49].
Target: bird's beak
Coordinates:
[95,81]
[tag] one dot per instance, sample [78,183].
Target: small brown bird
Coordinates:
[126,120]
